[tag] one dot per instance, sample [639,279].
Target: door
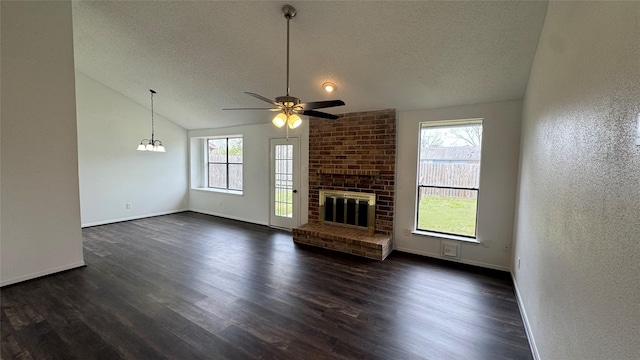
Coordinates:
[285,199]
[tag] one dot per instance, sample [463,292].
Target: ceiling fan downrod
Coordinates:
[289,13]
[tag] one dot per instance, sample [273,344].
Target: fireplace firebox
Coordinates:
[348,208]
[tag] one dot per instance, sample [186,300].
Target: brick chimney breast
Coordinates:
[355,153]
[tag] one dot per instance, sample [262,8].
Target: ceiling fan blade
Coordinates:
[262,98]
[270,109]
[319,114]
[321,104]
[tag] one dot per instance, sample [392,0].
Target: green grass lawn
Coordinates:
[448,215]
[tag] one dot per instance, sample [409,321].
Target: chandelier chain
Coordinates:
[152,127]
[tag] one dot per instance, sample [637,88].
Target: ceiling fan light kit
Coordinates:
[290,107]
[292,121]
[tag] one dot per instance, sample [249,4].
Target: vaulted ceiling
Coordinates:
[200,56]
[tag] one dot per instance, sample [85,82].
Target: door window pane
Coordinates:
[283,181]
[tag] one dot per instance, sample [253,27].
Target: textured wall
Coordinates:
[578,223]
[355,153]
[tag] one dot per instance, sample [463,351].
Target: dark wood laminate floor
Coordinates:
[192,286]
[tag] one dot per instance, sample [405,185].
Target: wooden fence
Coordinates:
[465,175]
[218,176]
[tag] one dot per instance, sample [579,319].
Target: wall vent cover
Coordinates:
[450,250]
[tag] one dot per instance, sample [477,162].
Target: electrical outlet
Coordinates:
[128,205]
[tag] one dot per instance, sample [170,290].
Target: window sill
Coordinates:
[223,191]
[445,236]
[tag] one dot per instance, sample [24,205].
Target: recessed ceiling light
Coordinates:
[329,86]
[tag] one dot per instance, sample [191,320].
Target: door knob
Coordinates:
[295,191]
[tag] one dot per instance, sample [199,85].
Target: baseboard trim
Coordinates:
[462,261]
[42,273]
[251,221]
[525,320]
[128,218]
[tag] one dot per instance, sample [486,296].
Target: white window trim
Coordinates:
[457,122]
[416,231]
[205,165]
[446,236]
[217,190]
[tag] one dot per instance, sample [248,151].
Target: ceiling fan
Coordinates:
[290,106]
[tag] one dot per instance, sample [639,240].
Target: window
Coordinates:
[449,177]
[224,170]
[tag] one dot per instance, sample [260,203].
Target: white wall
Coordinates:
[253,205]
[112,172]
[578,222]
[39,197]
[498,179]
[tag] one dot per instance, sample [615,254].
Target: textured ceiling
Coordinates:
[200,56]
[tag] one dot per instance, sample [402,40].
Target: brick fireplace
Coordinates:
[355,153]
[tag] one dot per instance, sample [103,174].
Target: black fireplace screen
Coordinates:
[346,211]
[348,208]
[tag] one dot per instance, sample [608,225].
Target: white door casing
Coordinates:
[285,183]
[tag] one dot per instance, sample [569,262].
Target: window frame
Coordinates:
[208,163]
[444,124]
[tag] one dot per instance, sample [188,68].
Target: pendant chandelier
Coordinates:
[151,144]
